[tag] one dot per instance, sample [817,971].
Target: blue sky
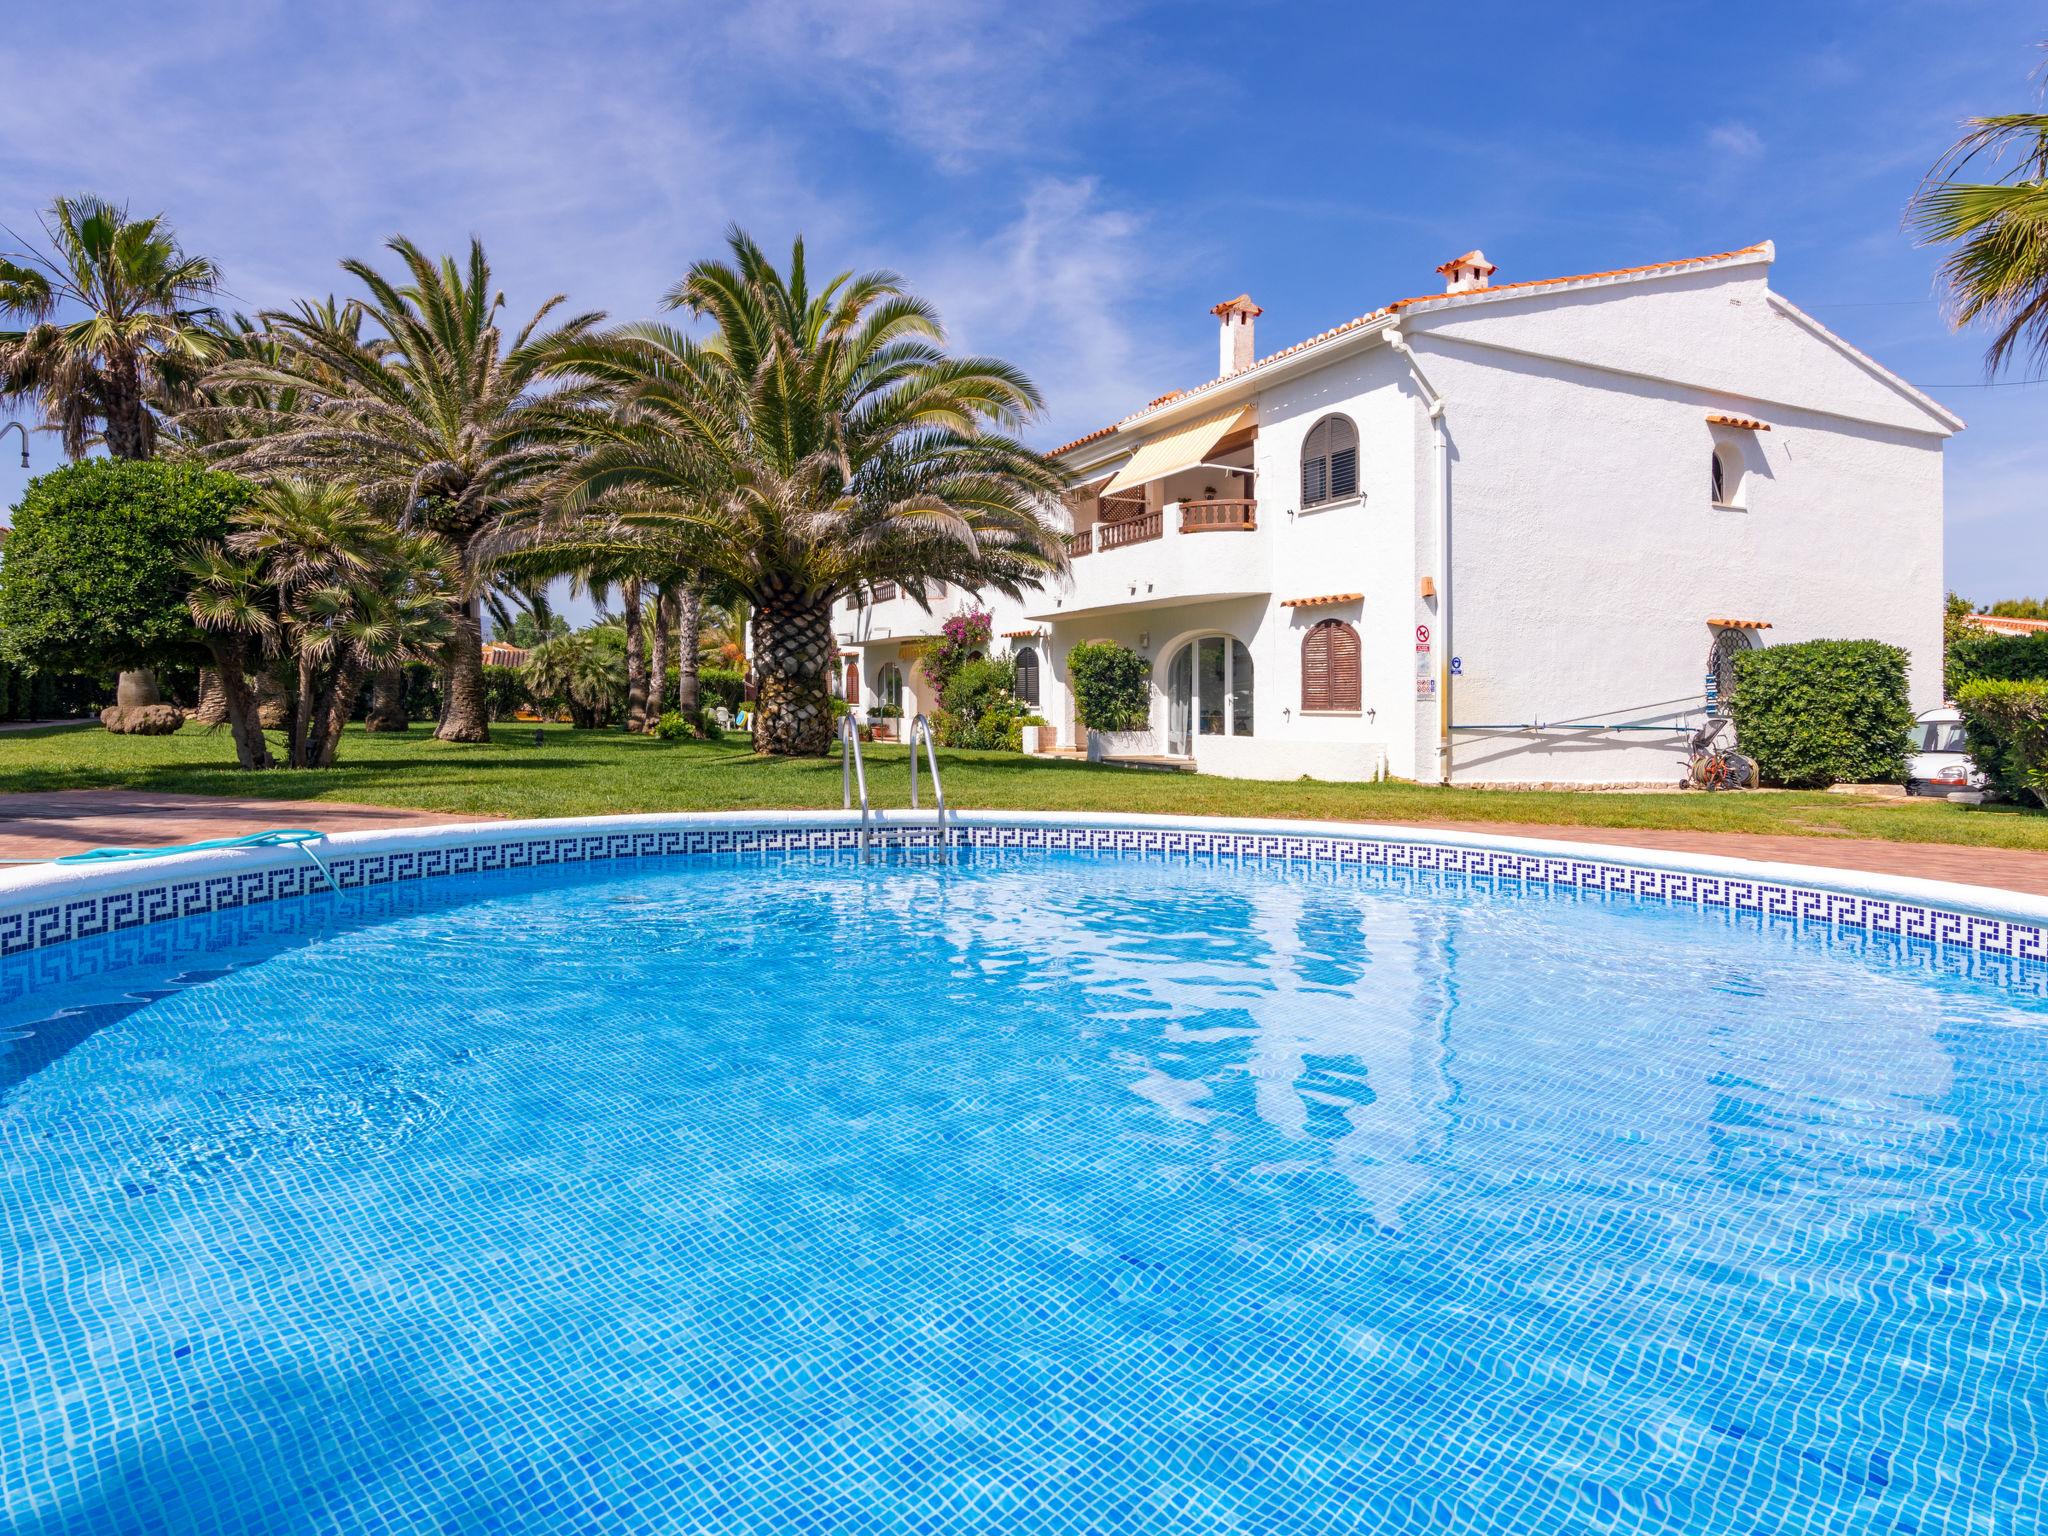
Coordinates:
[1073,183]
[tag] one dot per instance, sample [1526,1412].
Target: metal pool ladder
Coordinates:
[853,772]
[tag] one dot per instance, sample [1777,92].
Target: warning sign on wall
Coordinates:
[1425,664]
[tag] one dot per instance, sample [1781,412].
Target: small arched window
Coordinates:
[1329,667]
[889,686]
[1720,480]
[1027,675]
[1329,462]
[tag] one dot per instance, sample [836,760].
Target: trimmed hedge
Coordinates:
[2006,723]
[93,577]
[1112,686]
[1824,712]
[2012,658]
[721,685]
[26,695]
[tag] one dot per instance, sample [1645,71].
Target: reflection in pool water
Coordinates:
[1040,1194]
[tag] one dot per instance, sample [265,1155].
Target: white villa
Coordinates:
[1500,533]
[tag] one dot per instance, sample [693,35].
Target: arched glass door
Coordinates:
[1208,692]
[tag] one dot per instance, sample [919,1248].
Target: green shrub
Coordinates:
[722,685]
[504,692]
[94,580]
[422,691]
[981,708]
[2006,723]
[1111,686]
[674,725]
[1974,655]
[1824,712]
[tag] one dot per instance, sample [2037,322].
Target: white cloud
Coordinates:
[1058,290]
[954,80]
[1738,139]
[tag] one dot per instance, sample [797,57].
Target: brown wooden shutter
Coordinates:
[1330,667]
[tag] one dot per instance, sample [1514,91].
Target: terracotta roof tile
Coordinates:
[1738,623]
[1325,601]
[1082,441]
[1742,423]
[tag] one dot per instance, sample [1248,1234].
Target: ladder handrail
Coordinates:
[851,766]
[921,727]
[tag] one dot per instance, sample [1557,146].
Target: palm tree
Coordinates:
[817,443]
[335,593]
[604,545]
[434,422]
[586,671]
[118,325]
[1998,269]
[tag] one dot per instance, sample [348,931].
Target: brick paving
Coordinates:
[42,826]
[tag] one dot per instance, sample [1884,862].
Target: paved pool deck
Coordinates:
[44,826]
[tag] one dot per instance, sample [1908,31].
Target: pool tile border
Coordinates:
[35,913]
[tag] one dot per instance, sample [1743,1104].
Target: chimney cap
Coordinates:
[1241,305]
[1474,259]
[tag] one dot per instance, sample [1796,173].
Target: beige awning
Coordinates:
[1183,448]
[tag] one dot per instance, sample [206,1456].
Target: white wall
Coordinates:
[1587,554]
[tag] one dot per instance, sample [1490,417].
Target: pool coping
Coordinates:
[47,904]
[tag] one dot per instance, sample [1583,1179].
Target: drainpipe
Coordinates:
[1442,457]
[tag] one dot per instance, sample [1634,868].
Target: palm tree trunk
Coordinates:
[327,718]
[657,702]
[213,699]
[273,701]
[302,715]
[636,657]
[238,702]
[792,652]
[387,700]
[464,716]
[690,616]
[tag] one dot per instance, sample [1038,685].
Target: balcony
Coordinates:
[1149,560]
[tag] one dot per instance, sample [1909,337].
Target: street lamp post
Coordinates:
[15,426]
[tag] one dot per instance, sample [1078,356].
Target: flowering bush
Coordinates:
[961,638]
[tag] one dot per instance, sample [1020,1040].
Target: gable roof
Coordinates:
[1430,302]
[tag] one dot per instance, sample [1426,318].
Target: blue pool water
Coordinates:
[1041,1195]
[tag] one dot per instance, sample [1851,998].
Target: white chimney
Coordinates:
[1464,273]
[1234,334]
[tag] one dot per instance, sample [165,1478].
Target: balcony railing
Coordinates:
[1132,530]
[1195,517]
[1218,516]
[884,590]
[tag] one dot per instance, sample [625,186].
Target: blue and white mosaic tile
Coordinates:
[85,917]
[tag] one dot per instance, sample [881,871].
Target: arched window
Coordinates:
[1027,675]
[1720,480]
[889,686]
[1329,462]
[1329,667]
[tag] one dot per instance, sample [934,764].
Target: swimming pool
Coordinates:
[1039,1191]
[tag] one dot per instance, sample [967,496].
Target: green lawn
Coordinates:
[585,773]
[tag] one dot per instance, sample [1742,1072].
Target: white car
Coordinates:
[1940,764]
